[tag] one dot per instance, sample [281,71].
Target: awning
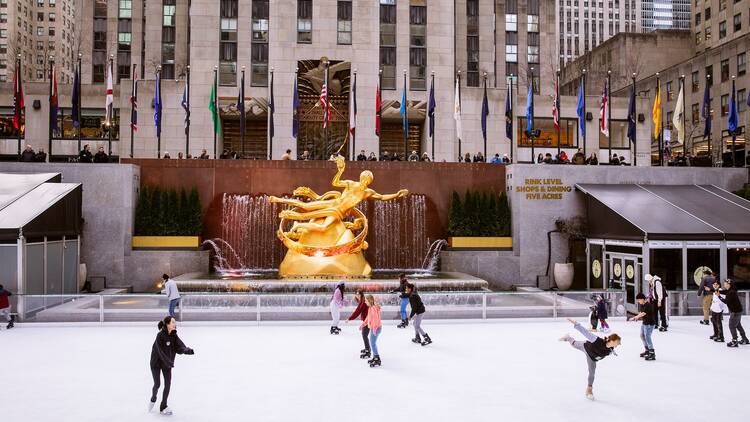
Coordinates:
[50,209]
[15,185]
[665,212]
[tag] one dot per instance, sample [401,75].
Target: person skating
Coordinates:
[417,312]
[173,294]
[732,301]
[372,321]
[5,307]
[704,292]
[601,313]
[163,351]
[717,313]
[658,293]
[361,312]
[593,319]
[403,300]
[647,314]
[337,302]
[595,348]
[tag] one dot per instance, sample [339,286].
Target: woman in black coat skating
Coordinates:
[163,352]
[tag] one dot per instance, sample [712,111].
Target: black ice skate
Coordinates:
[745,341]
[719,339]
[365,354]
[375,361]
[417,339]
[427,340]
[651,355]
[404,323]
[335,330]
[645,353]
[733,343]
[662,329]
[11,323]
[704,322]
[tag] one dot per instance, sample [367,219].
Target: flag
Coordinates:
[185,106]
[353,107]
[603,110]
[431,105]
[677,117]
[241,106]
[271,109]
[18,101]
[457,110]
[76,98]
[733,117]
[295,109]
[530,109]
[485,111]
[212,107]
[404,111]
[631,115]
[509,112]
[110,96]
[656,112]
[134,107]
[53,105]
[324,100]
[556,105]
[378,106]
[157,104]
[706,112]
[581,111]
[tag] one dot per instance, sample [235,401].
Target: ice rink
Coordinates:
[506,370]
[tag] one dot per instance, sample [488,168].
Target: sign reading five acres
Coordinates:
[543,188]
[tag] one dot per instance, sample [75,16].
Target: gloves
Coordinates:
[190,351]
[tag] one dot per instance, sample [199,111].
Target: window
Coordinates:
[92,124]
[707,33]
[511,22]
[695,114]
[724,105]
[722,4]
[3,33]
[3,48]
[741,100]
[124,39]
[741,64]
[698,18]
[548,136]
[227,43]
[304,21]
[725,70]
[511,53]
[168,40]
[533,24]
[52,17]
[695,81]
[126,9]
[99,53]
[40,30]
[722,29]
[388,43]
[418,50]
[670,91]
[708,13]
[344,28]
[40,17]
[710,75]
[533,54]
[698,38]
[738,22]
[259,47]
[472,43]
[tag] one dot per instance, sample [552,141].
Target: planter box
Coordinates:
[481,242]
[166,242]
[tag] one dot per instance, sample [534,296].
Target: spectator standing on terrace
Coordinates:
[287,155]
[224,155]
[615,161]
[305,155]
[5,306]
[28,155]
[85,155]
[385,157]
[479,158]
[506,160]
[102,157]
[496,159]
[414,156]
[180,156]
[372,157]
[361,156]
[425,158]
[41,156]
[467,158]
[579,158]
[173,294]
[204,155]
[592,160]
[166,156]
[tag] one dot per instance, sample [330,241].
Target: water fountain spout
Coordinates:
[431,260]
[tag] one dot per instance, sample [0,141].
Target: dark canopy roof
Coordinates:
[46,209]
[665,212]
[14,186]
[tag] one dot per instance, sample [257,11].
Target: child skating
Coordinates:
[647,314]
[595,348]
[601,313]
[337,302]
[163,352]
[717,313]
[417,312]
[373,323]
[361,312]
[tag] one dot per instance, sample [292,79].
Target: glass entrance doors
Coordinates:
[625,274]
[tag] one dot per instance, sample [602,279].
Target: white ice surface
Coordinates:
[508,370]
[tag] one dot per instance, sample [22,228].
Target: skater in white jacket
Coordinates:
[173,294]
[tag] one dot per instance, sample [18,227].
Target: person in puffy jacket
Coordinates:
[417,312]
[601,313]
[166,346]
[596,348]
[729,296]
[403,300]
[361,311]
[373,322]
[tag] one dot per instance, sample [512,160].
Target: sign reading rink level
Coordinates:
[544,188]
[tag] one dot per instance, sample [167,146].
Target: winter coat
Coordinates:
[717,305]
[658,291]
[649,308]
[597,350]
[338,298]
[417,307]
[28,156]
[601,309]
[101,157]
[373,318]
[730,298]
[401,289]
[85,156]
[165,347]
[4,301]
[361,311]
[170,288]
[706,281]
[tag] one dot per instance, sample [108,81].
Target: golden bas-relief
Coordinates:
[327,234]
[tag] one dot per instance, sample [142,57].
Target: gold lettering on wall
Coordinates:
[543,188]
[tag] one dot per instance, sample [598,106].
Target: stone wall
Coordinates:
[146,267]
[501,269]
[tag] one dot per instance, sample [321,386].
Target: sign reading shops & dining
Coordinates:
[543,188]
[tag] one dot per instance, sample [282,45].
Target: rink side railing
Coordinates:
[258,307]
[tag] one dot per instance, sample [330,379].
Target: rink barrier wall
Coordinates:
[315,307]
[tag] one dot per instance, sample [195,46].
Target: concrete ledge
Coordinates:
[480,242]
[145,267]
[501,269]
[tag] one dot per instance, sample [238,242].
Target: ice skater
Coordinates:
[647,314]
[593,320]
[361,312]
[5,307]
[373,323]
[403,300]
[735,313]
[417,312]
[163,352]
[337,302]
[173,294]
[595,348]
[658,293]
[601,313]
[704,292]
[717,313]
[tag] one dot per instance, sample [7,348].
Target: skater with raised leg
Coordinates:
[166,346]
[5,307]
[403,300]
[595,348]
[717,313]
[361,312]
[647,314]
[372,321]
[337,302]
[417,312]
[735,313]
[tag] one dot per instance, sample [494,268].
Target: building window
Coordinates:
[511,22]
[259,48]
[695,78]
[741,64]
[738,22]
[168,32]
[533,24]
[51,17]
[39,17]
[722,29]
[710,75]
[708,33]
[388,43]
[698,18]
[417,48]
[722,4]
[228,43]
[304,21]
[511,53]
[126,9]
[708,13]
[698,38]
[99,53]
[695,114]
[742,100]
[124,39]
[344,26]
[472,42]
[725,70]
[40,30]
[670,91]
[724,105]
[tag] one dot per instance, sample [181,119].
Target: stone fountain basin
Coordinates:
[268,282]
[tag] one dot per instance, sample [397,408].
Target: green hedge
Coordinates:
[168,212]
[479,214]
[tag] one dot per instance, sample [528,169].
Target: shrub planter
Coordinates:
[465,242]
[563,275]
[166,242]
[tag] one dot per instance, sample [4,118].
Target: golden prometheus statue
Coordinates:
[322,239]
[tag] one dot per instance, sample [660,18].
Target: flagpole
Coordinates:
[485,124]
[16,89]
[158,130]
[734,132]
[708,117]
[380,109]
[609,112]
[635,120]
[584,113]
[557,105]
[187,128]
[353,134]
[460,157]
[77,105]
[244,120]
[684,138]
[659,129]
[216,104]
[133,102]
[109,123]
[326,112]
[432,135]
[271,123]
[530,79]
[406,121]
[512,117]
[51,75]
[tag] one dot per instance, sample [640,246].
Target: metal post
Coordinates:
[111,112]
[609,113]
[709,116]
[557,106]
[158,132]
[257,308]
[133,105]
[51,89]
[583,138]
[512,117]
[17,89]
[432,136]
[243,116]
[734,133]
[352,97]
[101,308]
[684,112]
[379,110]
[216,104]
[326,112]
[747,303]
[187,103]
[635,123]
[661,125]
[406,118]
[484,305]
[460,157]
[554,305]
[180,304]
[485,134]
[77,105]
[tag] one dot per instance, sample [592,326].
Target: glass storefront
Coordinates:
[699,260]
[738,266]
[667,264]
[596,267]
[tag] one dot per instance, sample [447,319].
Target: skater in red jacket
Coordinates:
[361,312]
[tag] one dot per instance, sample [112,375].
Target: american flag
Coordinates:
[556,106]
[134,107]
[324,100]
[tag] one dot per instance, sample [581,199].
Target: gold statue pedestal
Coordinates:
[351,264]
